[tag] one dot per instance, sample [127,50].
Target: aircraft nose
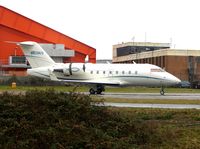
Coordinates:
[175,80]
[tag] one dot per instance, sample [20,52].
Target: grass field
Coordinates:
[181,127]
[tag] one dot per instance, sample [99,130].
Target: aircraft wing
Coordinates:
[103,81]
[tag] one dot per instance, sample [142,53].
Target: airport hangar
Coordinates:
[16,27]
[183,63]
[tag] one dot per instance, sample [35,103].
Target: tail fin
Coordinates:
[36,56]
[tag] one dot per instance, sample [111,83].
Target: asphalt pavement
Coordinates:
[172,96]
[168,96]
[162,106]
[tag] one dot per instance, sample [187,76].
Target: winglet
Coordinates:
[134,62]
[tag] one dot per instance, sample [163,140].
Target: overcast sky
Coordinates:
[103,23]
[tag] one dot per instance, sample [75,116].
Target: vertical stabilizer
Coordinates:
[35,55]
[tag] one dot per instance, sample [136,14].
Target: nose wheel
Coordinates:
[162,92]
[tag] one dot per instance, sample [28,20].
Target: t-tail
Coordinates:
[36,56]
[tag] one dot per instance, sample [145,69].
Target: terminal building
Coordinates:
[183,63]
[16,27]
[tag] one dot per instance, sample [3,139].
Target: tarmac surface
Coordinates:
[148,96]
[132,96]
[172,96]
[162,106]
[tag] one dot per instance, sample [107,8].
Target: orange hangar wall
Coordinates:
[15,27]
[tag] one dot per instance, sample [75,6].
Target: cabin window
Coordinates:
[97,72]
[104,72]
[116,72]
[91,72]
[136,72]
[123,72]
[129,72]
[110,72]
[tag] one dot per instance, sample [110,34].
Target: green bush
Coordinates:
[50,119]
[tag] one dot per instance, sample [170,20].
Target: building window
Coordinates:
[129,72]
[91,72]
[17,60]
[97,72]
[123,72]
[116,72]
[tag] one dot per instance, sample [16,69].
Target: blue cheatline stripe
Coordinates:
[119,77]
[139,77]
[72,79]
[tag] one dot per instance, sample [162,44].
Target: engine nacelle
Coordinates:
[67,70]
[73,68]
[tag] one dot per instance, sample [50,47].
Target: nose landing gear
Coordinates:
[162,92]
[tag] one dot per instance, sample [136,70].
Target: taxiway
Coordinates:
[172,96]
[149,96]
[144,105]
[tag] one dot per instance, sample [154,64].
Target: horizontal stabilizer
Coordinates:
[20,43]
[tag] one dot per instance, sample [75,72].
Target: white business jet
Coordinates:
[99,75]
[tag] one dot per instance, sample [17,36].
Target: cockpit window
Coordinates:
[157,70]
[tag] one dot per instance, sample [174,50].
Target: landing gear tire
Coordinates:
[92,91]
[162,92]
[99,91]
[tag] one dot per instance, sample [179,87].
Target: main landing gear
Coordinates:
[98,89]
[162,92]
